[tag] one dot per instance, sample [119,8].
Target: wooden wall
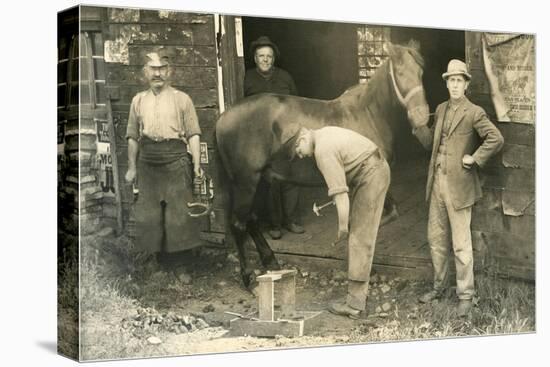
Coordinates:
[503,223]
[189,39]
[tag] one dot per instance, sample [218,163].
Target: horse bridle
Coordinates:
[405,100]
[409,95]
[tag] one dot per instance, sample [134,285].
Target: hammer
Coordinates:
[317,209]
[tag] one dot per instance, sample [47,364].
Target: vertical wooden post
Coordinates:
[265,299]
[287,294]
[112,141]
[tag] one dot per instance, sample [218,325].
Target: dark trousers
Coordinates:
[282,197]
[283,203]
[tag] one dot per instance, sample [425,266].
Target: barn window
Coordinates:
[370,49]
[86,51]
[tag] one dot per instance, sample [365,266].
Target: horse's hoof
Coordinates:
[249,281]
[272,264]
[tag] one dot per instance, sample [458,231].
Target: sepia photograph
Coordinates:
[233,183]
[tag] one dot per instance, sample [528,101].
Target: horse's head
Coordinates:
[406,69]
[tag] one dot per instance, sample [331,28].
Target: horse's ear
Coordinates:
[392,50]
[414,44]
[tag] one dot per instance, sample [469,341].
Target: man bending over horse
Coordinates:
[351,164]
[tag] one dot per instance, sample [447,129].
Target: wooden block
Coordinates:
[304,320]
[286,290]
[265,300]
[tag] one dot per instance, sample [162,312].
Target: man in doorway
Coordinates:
[351,164]
[267,78]
[453,184]
[162,128]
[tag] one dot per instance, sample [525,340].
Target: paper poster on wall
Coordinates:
[104,160]
[509,61]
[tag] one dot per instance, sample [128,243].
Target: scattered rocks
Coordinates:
[383,314]
[209,308]
[378,309]
[147,320]
[222,283]
[373,292]
[386,307]
[339,275]
[185,278]
[232,258]
[374,279]
[323,283]
[385,288]
[154,340]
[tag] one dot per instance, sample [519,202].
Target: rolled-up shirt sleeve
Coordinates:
[190,118]
[132,130]
[331,166]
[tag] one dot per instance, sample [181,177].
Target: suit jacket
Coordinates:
[469,127]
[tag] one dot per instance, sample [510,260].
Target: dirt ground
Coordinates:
[178,307]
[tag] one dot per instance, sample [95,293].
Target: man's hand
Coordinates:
[468,161]
[198,171]
[130,175]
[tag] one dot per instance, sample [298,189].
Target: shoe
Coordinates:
[275,233]
[343,309]
[464,307]
[295,228]
[429,296]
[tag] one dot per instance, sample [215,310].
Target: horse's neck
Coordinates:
[380,98]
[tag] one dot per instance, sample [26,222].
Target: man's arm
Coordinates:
[133,148]
[425,135]
[195,148]
[132,136]
[342,207]
[492,138]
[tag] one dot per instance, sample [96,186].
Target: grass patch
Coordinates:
[501,307]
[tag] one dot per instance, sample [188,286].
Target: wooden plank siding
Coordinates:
[503,222]
[190,41]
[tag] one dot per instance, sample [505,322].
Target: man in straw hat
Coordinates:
[162,127]
[267,78]
[453,184]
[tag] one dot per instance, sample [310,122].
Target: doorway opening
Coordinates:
[322,58]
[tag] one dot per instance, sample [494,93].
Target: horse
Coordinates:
[259,130]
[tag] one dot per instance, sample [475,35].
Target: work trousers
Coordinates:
[368,191]
[165,187]
[449,226]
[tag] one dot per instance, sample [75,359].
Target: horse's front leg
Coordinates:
[243,198]
[239,233]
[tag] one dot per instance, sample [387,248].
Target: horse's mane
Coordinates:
[412,48]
